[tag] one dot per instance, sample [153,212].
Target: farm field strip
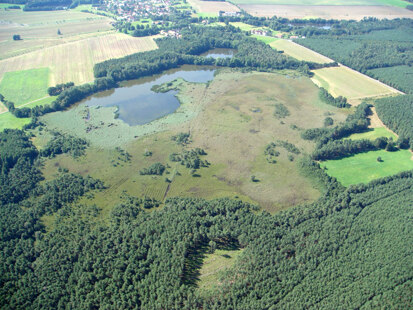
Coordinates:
[399,3]
[339,81]
[343,81]
[40,29]
[299,52]
[82,55]
[212,6]
[356,12]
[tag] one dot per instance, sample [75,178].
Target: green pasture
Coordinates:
[397,3]
[6,5]
[8,120]
[373,134]
[25,86]
[364,167]
[266,40]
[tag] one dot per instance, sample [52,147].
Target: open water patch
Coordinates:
[138,104]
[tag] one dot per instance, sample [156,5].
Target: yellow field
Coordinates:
[299,52]
[212,6]
[343,81]
[356,12]
[38,30]
[74,61]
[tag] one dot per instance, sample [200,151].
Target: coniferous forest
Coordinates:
[347,250]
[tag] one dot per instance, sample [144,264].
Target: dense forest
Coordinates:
[381,49]
[397,114]
[140,259]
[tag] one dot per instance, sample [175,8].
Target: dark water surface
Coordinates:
[138,104]
[220,53]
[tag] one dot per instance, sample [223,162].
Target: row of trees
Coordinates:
[339,102]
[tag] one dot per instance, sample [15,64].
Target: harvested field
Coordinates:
[299,52]
[343,81]
[212,6]
[38,30]
[356,12]
[74,61]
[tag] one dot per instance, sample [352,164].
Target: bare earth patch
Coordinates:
[327,11]
[39,30]
[212,6]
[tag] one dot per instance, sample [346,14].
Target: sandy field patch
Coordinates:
[327,11]
[39,30]
[74,61]
[212,6]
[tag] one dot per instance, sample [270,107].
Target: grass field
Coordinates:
[213,267]
[343,81]
[8,120]
[38,30]
[6,5]
[299,52]
[25,86]
[373,134]
[346,12]
[364,167]
[266,40]
[398,3]
[231,119]
[74,61]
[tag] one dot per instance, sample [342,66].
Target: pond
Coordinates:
[220,53]
[138,104]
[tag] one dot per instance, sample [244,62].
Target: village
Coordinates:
[133,10]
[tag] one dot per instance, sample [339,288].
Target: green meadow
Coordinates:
[373,134]
[364,167]
[25,86]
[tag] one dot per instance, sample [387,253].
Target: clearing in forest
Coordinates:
[213,266]
[231,118]
[74,61]
[365,167]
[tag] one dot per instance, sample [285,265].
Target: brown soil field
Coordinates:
[327,11]
[74,61]
[38,30]
[212,6]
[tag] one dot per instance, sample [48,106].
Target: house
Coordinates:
[259,32]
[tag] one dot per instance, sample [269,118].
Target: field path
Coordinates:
[3,109]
